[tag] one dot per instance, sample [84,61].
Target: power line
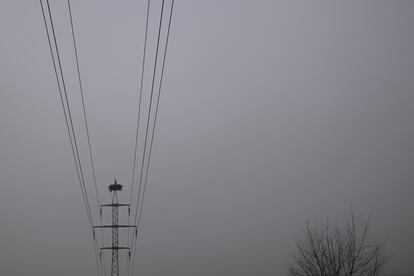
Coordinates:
[139,105]
[83,102]
[70,129]
[138,119]
[155,115]
[69,112]
[85,118]
[156,111]
[147,126]
[150,107]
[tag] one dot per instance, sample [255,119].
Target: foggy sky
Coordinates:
[271,113]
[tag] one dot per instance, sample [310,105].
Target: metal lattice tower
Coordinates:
[114,188]
[115,230]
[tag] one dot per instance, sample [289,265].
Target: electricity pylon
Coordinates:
[114,188]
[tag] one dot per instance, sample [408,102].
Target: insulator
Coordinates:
[129,254]
[100,255]
[100,211]
[129,211]
[136,232]
[93,233]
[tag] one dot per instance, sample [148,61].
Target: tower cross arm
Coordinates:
[115,226]
[115,248]
[114,205]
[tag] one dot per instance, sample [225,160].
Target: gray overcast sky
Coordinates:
[272,112]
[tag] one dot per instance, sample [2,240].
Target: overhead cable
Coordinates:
[138,120]
[155,116]
[146,131]
[85,119]
[68,117]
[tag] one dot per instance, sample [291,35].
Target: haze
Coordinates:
[271,113]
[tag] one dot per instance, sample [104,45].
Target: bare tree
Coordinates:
[332,250]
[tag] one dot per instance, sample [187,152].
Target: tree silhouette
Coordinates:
[331,250]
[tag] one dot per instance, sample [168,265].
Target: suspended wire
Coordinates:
[83,102]
[155,117]
[73,143]
[69,112]
[147,126]
[138,118]
[139,105]
[149,110]
[62,102]
[156,113]
[67,115]
[85,119]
